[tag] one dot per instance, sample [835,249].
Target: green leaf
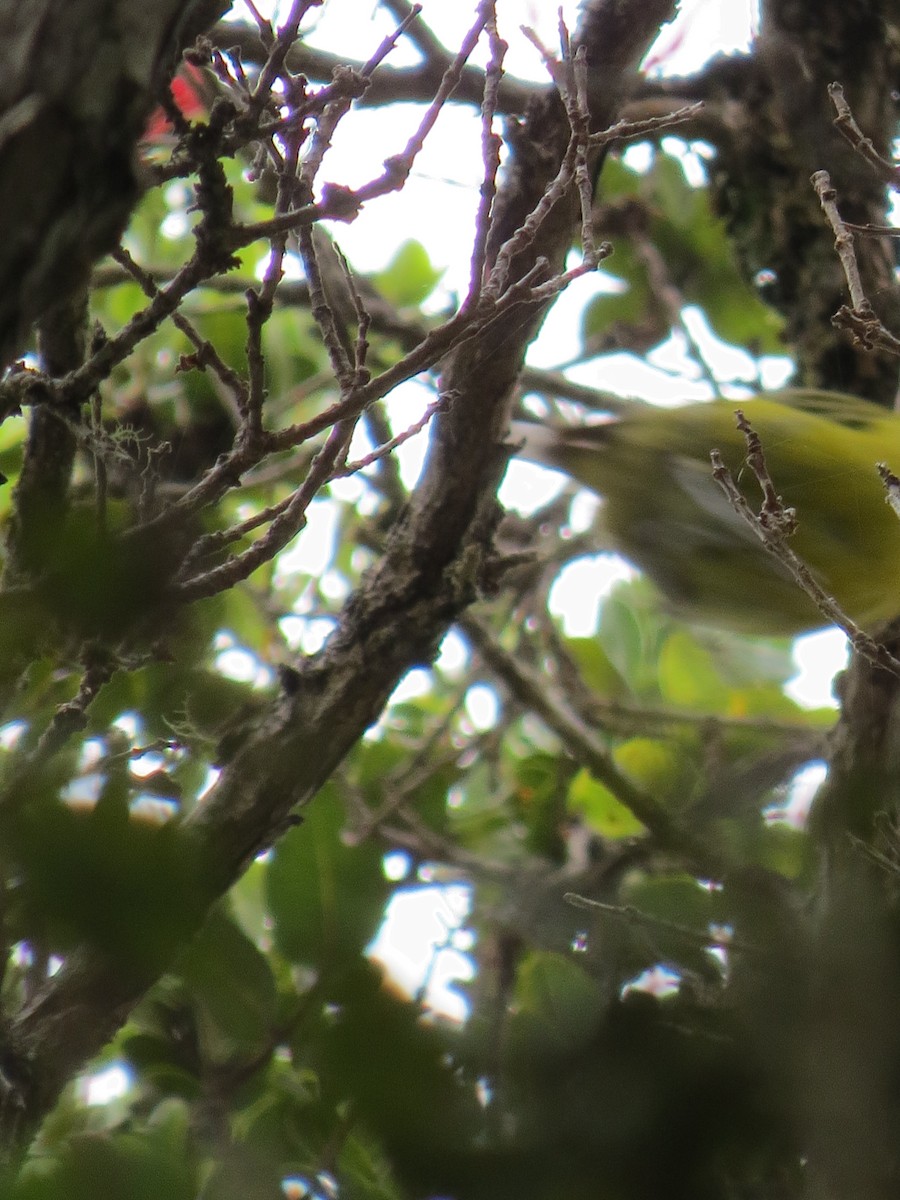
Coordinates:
[678,899]
[620,637]
[286,1121]
[688,676]
[326,898]
[364,1170]
[409,277]
[124,883]
[698,259]
[140,1166]
[241,1175]
[785,850]
[233,989]
[399,1075]
[596,667]
[600,809]
[540,801]
[558,1006]
[662,767]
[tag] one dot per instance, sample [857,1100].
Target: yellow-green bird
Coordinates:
[664,511]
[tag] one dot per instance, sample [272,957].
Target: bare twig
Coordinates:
[278,49]
[323,314]
[572,84]
[860,319]
[527,231]
[71,717]
[491,145]
[845,124]
[206,354]
[391,84]
[703,939]
[891,487]
[843,241]
[773,525]
[417,31]
[286,525]
[351,468]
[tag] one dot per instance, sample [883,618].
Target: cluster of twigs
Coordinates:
[285,127]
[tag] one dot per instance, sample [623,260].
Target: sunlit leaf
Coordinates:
[409,277]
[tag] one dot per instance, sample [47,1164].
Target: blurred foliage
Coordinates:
[670,223]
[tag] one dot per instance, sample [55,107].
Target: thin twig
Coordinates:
[634,916]
[417,31]
[206,354]
[323,314]
[891,487]
[843,241]
[278,52]
[860,319]
[437,406]
[491,146]
[71,717]
[773,525]
[283,529]
[845,124]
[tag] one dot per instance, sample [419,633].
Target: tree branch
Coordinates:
[428,574]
